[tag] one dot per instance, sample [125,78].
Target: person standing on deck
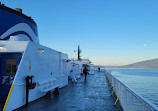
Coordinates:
[85,71]
[73,74]
[98,69]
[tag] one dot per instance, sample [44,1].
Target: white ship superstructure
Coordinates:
[28,70]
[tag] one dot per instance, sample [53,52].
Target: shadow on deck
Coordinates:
[94,95]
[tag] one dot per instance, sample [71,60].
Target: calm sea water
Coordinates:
[143,81]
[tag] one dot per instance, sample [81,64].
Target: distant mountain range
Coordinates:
[151,64]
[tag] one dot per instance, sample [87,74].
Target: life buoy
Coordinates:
[32,85]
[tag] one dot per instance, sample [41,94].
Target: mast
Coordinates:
[79,52]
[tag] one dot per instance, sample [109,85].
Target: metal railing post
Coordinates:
[132,103]
[143,106]
[126,99]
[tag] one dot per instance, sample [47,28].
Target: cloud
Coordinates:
[145,45]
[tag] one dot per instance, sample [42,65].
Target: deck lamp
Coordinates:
[41,50]
[2,47]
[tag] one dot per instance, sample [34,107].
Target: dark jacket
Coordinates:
[85,71]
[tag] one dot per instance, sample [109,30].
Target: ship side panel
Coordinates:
[44,66]
[63,70]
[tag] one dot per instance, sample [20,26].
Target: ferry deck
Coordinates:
[92,95]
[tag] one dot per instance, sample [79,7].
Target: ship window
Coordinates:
[14,69]
[10,66]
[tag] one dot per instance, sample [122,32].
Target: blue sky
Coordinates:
[109,32]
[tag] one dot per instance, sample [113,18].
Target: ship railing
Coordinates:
[128,99]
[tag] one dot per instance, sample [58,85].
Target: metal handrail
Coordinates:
[133,97]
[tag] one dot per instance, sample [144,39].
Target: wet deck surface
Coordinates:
[92,95]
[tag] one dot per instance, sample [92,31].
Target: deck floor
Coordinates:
[92,95]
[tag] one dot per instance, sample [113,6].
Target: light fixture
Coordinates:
[41,50]
[2,47]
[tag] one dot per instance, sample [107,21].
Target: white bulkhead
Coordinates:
[49,68]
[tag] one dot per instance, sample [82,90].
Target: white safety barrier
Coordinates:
[129,99]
